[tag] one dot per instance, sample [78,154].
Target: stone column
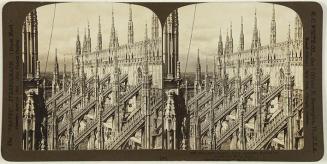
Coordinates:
[170,122]
[29,122]
[197,127]
[288,96]
[212,121]
[70,126]
[241,123]
[187,119]
[116,92]
[257,93]
[54,126]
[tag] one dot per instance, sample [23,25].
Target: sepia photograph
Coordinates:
[95,84]
[239,79]
[215,76]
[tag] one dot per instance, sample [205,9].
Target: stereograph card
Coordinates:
[162,81]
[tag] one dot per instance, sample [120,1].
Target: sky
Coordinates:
[71,16]
[211,17]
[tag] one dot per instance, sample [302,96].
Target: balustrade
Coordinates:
[131,125]
[274,125]
[61,124]
[107,114]
[202,100]
[220,113]
[272,93]
[89,126]
[133,122]
[130,92]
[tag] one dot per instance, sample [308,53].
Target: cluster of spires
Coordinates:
[114,42]
[256,42]
[55,80]
[256,39]
[87,48]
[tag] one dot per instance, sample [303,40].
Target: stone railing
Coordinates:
[274,126]
[132,124]
[88,128]
[76,114]
[234,125]
[220,114]
[130,92]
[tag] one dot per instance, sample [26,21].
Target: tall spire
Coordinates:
[206,78]
[84,42]
[55,80]
[241,48]
[130,27]
[99,36]
[255,19]
[78,35]
[220,37]
[113,38]
[227,44]
[273,15]
[198,67]
[255,32]
[82,61]
[197,83]
[82,82]
[78,44]
[130,12]
[146,53]
[273,28]
[88,37]
[220,45]
[214,74]
[78,53]
[56,66]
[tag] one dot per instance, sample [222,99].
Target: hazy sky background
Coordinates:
[70,16]
[211,17]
